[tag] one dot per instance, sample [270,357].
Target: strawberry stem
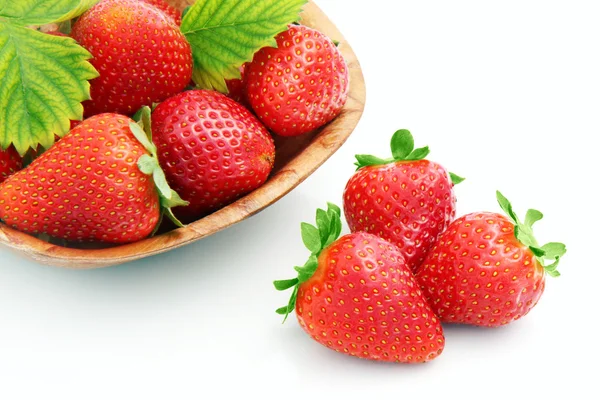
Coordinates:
[316,239]
[524,233]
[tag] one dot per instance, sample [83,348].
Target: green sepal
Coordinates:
[285,284]
[523,231]
[316,239]
[311,237]
[532,217]
[403,149]
[456,179]
[149,165]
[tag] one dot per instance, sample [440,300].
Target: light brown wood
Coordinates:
[297,158]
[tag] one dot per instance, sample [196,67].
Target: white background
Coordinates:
[505,93]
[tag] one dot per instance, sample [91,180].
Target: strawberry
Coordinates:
[167,9]
[406,200]
[356,295]
[237,87]
[93,185]
[487,269]
[212,149]
[10,162]
[299,86]
[141,56]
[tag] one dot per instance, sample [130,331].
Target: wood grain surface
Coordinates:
[297,158]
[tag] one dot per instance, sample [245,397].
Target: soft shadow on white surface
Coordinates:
[504,93]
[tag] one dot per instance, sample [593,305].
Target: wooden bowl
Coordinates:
[297,158]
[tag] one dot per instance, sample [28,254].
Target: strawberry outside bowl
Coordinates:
[297,158]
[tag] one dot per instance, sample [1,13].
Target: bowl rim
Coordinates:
[324,145]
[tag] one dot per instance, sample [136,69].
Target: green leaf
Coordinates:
[402,144]
[142,136]
[224,34]
[323,225]
[41,12]
[168,211]
[160,180]
[291,304]
[334,229]
[144,119]
[285,284]
[506,207]
[552,268]
[554,250]
[418,154]
[147,164]
[44,80]
[365,160]
[532,217]
[311,237]
[456,179]
[185,11]
[334,209]
[537,251]
[282,310]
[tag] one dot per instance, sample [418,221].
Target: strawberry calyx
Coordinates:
[403,149]
[316,239]
[550,252]
[149,165]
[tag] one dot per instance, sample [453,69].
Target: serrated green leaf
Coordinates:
[532,217]
[44,80]
[40,12]
[224,34]
[311,237]
[456,179]
[402,144]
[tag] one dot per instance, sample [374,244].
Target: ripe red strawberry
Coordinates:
[299,86]
[488,270]
[212,149]
[92,185]
[356,295]
[406,200]
[141,56]
[10,162]
[167,9]
[237,87]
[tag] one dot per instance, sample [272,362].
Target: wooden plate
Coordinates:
[297,158]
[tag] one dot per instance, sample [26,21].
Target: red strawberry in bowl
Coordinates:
[487,269]
[141,55]
[212,149]
[237,87]
[101,183]
[356,295]
[299,86]
[10,162]
[406,199]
